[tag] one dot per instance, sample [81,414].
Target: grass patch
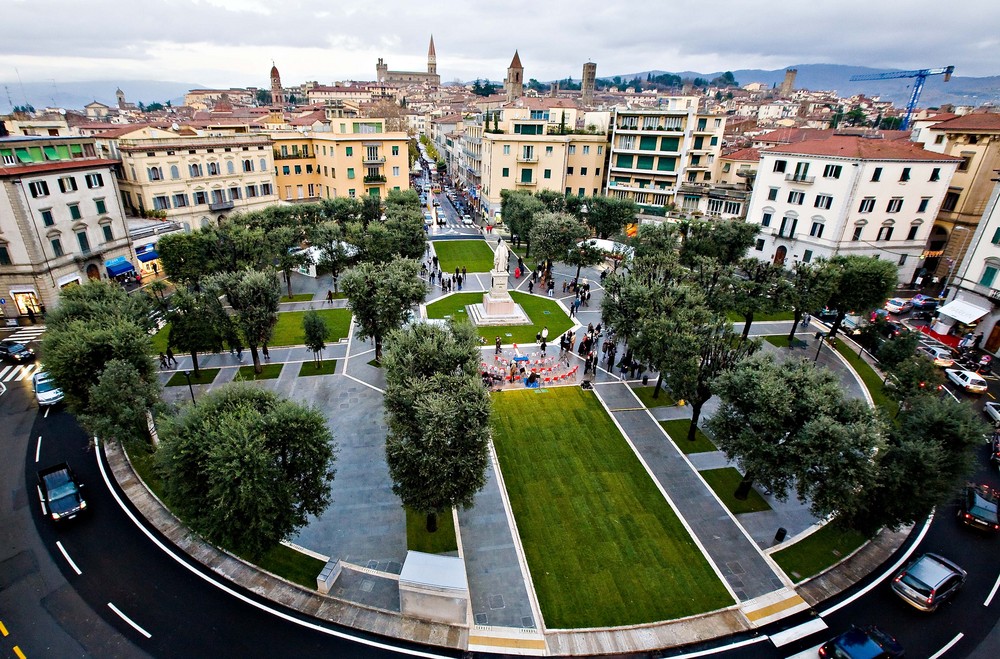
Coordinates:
[298,297]
[818,551]
[289,332]
[475,255]
[374,363]
[736,317]
[160,340]
[205,376]
[678,430]
[143,460]
[724,482]
[536,307]
[871,379]
[418,538]
[326,367]
[645,395]
[782,341]
[582,499]
[268,372]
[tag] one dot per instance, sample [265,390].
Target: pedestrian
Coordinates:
[552,288]
[267,355]
[572,309]
[586,365]
[329,297]
[499,350]
[459,278]
[565,286]
[434,261]
[543,347]
[531,286]
[545,332]
[239,353]
[977,340]
[965,342]
[806,318]
[156,269]
[31,315]
[163,360]
[457,271]
[463,272]
[170,356]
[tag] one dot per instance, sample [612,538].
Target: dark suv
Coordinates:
[979,508]
[862,643]
[17,352]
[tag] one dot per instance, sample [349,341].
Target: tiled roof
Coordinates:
[308,119]
[125,129]
[861,148]
[974,121]
[748,154]
[63,165]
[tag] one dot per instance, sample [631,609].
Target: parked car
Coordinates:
[436,203]
[46,391]
[59,492]
[892,329]
[993,411]
[923,302]
[898,305]
[826,314]
[928,582]
[967,380]
[978,508]
[862,643]
[467,220]
[16,352]
[940,356]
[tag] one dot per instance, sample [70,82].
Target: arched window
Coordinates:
[263,164]
[230,167]
[990,269]
[885,231]
[174,172]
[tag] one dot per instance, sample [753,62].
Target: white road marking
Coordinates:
[947,646]
[41,501]
[68,559]
[129,621]
[38,448]
[45,416]
[993,592]
[705,653]
[4,371]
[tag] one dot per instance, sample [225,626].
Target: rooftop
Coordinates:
[861,148]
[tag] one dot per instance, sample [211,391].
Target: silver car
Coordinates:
[928,581]
[46,391]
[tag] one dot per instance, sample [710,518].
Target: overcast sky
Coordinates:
[228,43]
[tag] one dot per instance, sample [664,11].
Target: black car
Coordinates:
[979,508]
[15,351]
[862,643]
[59,492]
[923,303]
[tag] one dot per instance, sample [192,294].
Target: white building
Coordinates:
[848,195]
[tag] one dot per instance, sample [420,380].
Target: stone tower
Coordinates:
[277,93]
[432,62]
[513,84]
[789,82]
[120,95]
[381,70]
[588,83]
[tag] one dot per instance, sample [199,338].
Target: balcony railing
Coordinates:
[526,158]
[291,156]
[376,160]
[220,205]
[531,183]
[378,178]
[797,178]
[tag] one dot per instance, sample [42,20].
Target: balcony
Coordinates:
[797,178]
[527,183]
[377,178]
[291,156]
[527,158]
[220,206]
[373,160]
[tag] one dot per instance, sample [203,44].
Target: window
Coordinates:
[4,255]
[108,235]
[161,203]
[796,198]
[505,172]
[905,176]
[884,233]
[56,247]
[807,256]
[714,141]
[779,165]
[902,259]
[67,184]
[286,170]
[877,174]
[350,172]
[894,205]
[525,176]
[922,206]
[350,151]
[195,169]
[39,189]
[547,173]
[965,164]
[586,150]
[936,174]
[47,219]
[200,198]
[787,228]
[506,149]
[760,245]
[583,171]
[989,274]
[912,233]
[265,189]
[251,191]
[950,200]
[351,193]
[395,150]
[102,208]
[154,173]
[94,181]
[548,150]
[569,170]
[772,194]
[765,220]
[175,173]
[234,193]
[263,164]
[230,167]
[81,237]
[939,139]
[867,205]
[832,171]
[572,150]
[580,192]
[180,201]
[823,201]
[248,165]
[857,233]
[817,230]
[298,169]
[213,169]
[74,211]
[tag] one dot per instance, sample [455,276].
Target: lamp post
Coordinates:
[954,261]
[819,345]
[187,376]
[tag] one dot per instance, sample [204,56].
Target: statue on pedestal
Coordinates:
[500,257]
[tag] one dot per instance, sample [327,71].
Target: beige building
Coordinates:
[195,177]
[60,221]
[356,157]
[431,78]
[654,151]
[526,155]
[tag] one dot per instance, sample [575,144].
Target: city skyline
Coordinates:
[196,40]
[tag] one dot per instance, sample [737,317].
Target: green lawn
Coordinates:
[724,482]
[298,297]
[678,429]
[536,307]
[289,332]
[735,317]
[160,340]
[268,372]
[871,379]
[419,539]
[603,546]
[645,395]
[475,255]
[207,376]
[782,341]
[818,551]
[326,367]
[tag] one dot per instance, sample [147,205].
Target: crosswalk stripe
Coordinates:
[25,371]
[17,369]
[4,371]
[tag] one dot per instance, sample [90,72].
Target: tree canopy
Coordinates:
[382,296]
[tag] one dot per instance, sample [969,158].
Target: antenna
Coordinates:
[10,101]
[21,82]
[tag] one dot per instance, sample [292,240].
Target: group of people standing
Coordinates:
[448,283]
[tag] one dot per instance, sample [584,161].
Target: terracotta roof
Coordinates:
[748,154]
[941,116]
[63,165]
[861,148]
[516,62]
[125,129]
[974,121]
[790,135]
[308,119]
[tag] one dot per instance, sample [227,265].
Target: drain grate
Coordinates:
[528,622]
[482,619]
[367,585]
[496,602]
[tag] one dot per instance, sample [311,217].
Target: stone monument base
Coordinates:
[497,310]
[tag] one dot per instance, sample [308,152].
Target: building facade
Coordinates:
[384,76]
[60,221]
[848,195]
[654,151]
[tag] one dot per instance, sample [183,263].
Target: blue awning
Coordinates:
[148,255]
[116,269]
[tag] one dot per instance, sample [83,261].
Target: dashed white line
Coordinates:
[992,592]
[68,559]
[129,621]
[38,448]
[947,646]
[46,415]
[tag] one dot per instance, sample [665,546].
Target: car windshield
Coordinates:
[982,507]
[45,386]
[917,584]
[15,347]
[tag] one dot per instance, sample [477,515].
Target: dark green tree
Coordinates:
[554,235]
[316,333]
[187,257]
[811,285]
[759,288]
[119,402]
[914,376]
[607,216]
[254,297]
[381,297]
[335,254]
[895,351]
[584,254]
[726,241]
[519,210]
[198,323]
[863,283]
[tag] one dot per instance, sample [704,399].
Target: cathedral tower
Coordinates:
[432,62]
[514,83]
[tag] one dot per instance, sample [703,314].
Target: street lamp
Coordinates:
[954,261]
[187,376]
[819,345]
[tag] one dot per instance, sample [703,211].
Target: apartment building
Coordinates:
[356,157]
[60,221]
[470,168]
[654,151]
[195,177]
[529,154]
[848,195]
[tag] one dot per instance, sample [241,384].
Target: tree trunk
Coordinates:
[257,368]
[194,364]
[748,317]
[795,325]
[659,384]
[335,285]
[288,281]
[743,490]
[695,417]
[527,248]
[378,349]
[578,268]
[432,522]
